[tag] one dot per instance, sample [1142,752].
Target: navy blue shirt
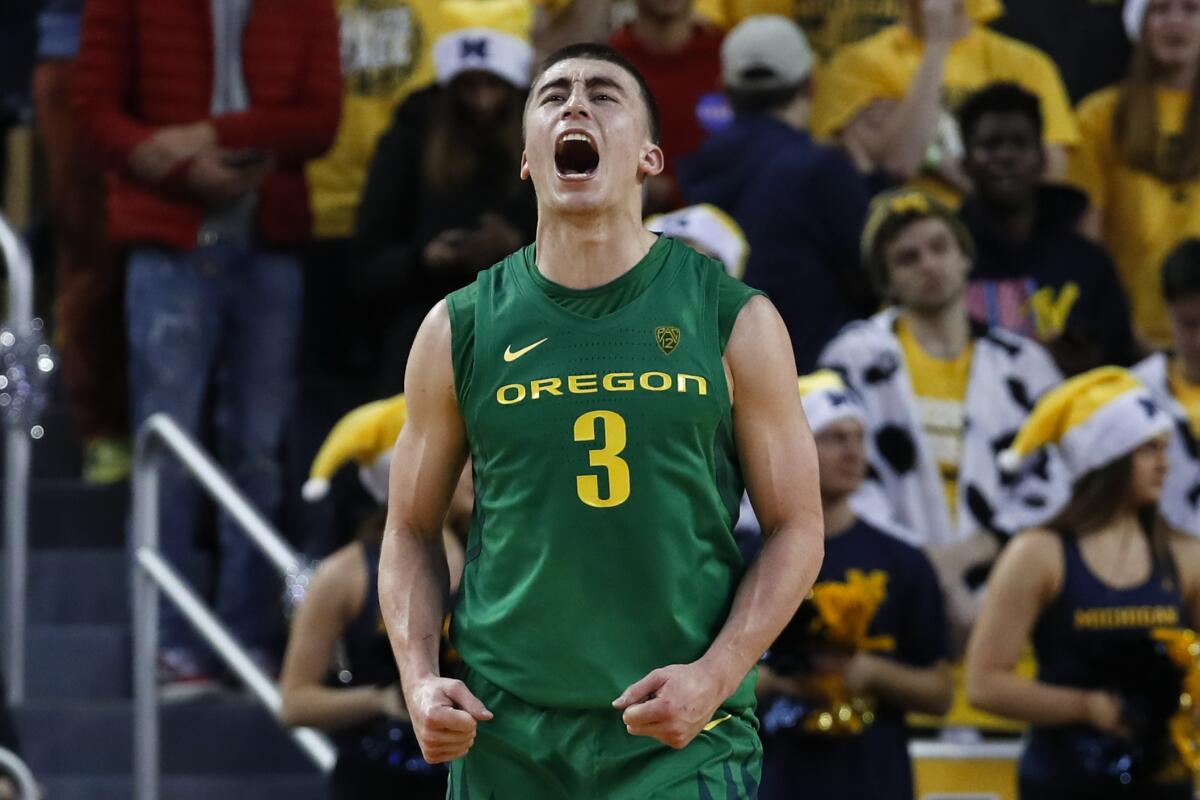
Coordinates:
[873,765]
[1077,276]
[802,207]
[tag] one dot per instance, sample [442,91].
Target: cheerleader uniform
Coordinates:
[1095,637]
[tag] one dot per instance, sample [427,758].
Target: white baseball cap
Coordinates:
[765,52]
[499,53]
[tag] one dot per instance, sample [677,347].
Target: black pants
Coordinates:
[361,781]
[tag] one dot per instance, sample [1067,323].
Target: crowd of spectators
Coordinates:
[955,205]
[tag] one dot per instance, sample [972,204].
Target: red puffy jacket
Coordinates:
[144,64]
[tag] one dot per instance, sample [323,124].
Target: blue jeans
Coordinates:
[225,317]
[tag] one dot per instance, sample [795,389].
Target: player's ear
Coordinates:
[652,161]
[524,167]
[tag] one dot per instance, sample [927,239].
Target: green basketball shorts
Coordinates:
[527,752]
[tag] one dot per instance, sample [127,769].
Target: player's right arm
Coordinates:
[413,576]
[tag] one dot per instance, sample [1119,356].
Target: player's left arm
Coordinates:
[779,462]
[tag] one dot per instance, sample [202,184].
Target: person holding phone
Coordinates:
[204,114]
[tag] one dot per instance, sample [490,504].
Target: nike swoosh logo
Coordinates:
[717,722]
[511,355]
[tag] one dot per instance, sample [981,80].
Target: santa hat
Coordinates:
[1134,15]
[1093,420]
[365,435]
[827,399]
[709,228]
[493,37]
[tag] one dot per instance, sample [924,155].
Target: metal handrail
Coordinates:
[17,458]
[936,750]
[18,770]
[159,436]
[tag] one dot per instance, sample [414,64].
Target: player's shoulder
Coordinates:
[702,268]
[687,257]
[746,309]
[461,302]
[462,299]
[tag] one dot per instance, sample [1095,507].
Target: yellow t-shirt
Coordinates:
[1142,217]
[883,66]
[1188,395]
[940,386]
[830,24]
[386,54]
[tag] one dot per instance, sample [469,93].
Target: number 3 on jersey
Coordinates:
[608,457]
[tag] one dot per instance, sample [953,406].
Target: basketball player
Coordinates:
[613,390]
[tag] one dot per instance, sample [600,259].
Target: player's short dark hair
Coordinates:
[760,101]
[1003,97]
[1181,271]
[602,52]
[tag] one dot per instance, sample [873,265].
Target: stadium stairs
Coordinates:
[76,722]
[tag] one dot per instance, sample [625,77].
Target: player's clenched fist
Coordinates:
[444,714]
[671,704]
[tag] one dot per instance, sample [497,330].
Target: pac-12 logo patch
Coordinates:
[667,337]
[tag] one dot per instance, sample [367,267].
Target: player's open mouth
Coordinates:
[576,156]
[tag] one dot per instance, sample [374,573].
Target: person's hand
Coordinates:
[860,673]
[444,716]
[1102,710]
[943,22]
[153,159]
[218,184]
[491,241]
[442,253]
[391,702]
[951,171]
[671,704]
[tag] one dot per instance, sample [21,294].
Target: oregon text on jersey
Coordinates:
[680,383]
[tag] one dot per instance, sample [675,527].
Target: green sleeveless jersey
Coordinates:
[606,479]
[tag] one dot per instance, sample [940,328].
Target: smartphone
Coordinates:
[244,158]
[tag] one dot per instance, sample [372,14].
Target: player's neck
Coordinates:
[585,252]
